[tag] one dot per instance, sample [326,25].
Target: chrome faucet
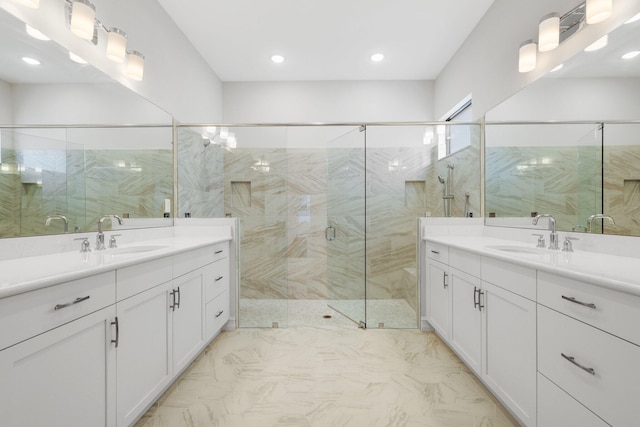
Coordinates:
[553,236]
[100,237]
[598,216]
[47,221]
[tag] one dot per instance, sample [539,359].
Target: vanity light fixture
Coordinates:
[598,10]
[36,34]
[31,4]
[631,55]
[76,58]
[377,57]
[527,56]
[83,19]
[135,65]
[116,45]
[549,32]
[278,59]
[598,44]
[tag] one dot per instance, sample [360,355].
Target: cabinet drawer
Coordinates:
[557,408]
[611,391]
[438,252]
[217,279]
[140,277]
[192,260]
[29,314]
[465,261]
[515,278]
[217,314]
[606,309]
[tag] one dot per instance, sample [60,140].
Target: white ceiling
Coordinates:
[326,40]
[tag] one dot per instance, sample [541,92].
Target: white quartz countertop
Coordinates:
[610,271]
[30,273]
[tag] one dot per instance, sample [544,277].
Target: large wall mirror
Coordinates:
[75,144]
[569,144]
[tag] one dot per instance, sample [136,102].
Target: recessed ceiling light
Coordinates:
[598,44]
[630,55]
[377,57]
[76,58]
[36,34]
[559,67]
[30,61]
[278,59]
[633,19]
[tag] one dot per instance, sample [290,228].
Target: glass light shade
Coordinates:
[549,32]
[117,45]
[527,56]
[598,10]
[598,44]
[83,17]
[32,4]
[135,65]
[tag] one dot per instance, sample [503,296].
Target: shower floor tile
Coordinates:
[263,313]
[324,377]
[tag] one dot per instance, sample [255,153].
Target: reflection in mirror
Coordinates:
[58,173]
[568,144]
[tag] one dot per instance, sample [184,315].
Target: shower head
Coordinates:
[441,179]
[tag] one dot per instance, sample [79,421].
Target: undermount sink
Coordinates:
[131,250]
[518,249]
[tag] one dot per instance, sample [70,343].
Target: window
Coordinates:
[453,138]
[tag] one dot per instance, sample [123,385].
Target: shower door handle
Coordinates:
[330,233]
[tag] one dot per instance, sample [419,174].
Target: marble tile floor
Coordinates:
[261,313]
[328,376]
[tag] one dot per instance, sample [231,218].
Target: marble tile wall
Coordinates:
[622,189]
[522,180]
[82,185]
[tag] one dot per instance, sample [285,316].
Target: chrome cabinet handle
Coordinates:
[218,252]
[476,297]
[435,252]
[174,304]
[75,301]
[179,298]
[219,278]
[480,293]
[575,301]
[117,324]
[573,361]
[219,313]
[444,280]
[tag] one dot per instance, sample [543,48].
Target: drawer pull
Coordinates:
[575,301]
[75,301]
[219,278]
[573,361]
[219,313]
[218,251]
[476,297]
[445,278]
[435,252]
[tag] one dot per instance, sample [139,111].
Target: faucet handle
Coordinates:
[85,246]
[541,243]
[112,241]
[567,246]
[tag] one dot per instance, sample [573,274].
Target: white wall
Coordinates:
[486,65]
[6,115]
[327,101]
[176,77]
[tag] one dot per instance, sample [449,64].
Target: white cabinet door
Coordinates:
[509,352]
[439,313]
[187,317]
[143,353]
[466,318]
[64,377]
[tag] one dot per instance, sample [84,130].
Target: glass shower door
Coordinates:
[346,222]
